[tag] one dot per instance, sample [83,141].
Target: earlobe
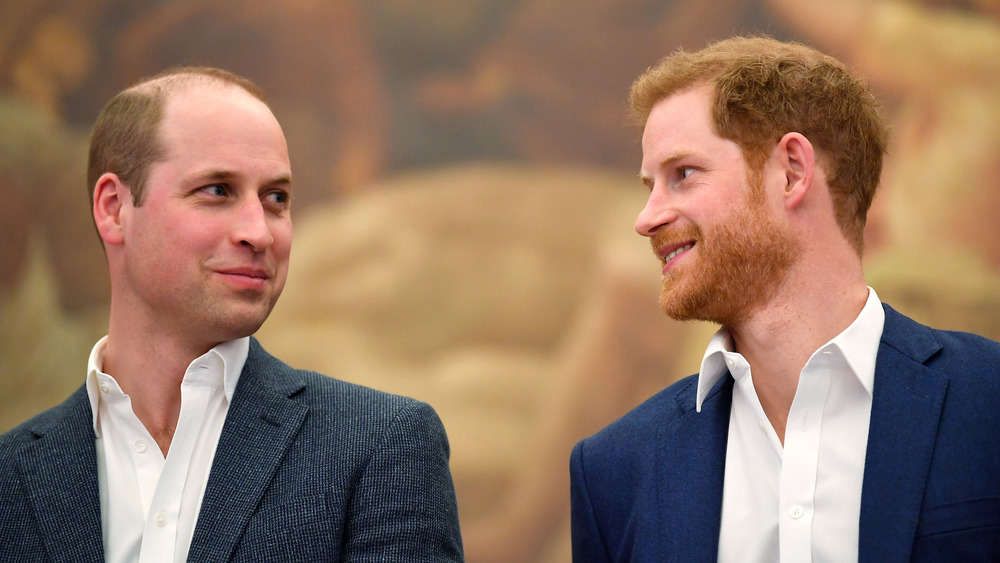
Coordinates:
[799,163]
[110,196]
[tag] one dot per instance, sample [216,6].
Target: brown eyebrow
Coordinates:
[222,174]
[213,174]
[283,181]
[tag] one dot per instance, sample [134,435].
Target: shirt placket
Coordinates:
[797,486]
[159,537]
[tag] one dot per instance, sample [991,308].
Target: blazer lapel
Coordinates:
[60,475]
[692,469]
[906,408]
[261,424]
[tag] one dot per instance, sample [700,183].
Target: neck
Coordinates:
[149,365]
[816,303]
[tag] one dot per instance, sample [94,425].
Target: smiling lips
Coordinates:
[248,272]
[668,253]
[247,277]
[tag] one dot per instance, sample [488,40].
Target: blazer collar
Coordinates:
[60,468]
[906,408]
[60,476]
[261,424]
[690,493]
[907,395]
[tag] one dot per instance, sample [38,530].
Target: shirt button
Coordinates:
[763,428]
[160,519]
[140,446]
[105,389]
[795,512]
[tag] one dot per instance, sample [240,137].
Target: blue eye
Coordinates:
[215,189]
[686,171]
[279,198]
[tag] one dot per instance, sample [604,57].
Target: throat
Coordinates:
[163,438]
[775,393]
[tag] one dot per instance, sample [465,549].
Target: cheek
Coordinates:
[169,224]
[282,244]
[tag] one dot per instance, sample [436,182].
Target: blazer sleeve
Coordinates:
[404,506]
[586,537]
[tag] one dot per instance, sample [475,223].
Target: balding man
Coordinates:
[189,441]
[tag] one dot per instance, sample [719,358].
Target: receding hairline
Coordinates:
[125,138]
[174,80]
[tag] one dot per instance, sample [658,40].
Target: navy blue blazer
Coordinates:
[308,468]
[649,486]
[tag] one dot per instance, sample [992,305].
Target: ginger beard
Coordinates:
[739,265]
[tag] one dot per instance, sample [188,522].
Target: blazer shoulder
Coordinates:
[962,352]
[949,351]
[43,422]
[643,423]
[330,399]
[380,459]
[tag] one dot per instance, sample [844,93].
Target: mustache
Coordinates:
[662,238]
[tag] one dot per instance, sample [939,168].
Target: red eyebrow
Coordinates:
[669,159]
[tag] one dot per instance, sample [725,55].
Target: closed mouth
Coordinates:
[247,272]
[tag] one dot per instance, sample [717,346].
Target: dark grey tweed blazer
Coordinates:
[308,468]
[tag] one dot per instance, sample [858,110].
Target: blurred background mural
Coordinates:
[465,193]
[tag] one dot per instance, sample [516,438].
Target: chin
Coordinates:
[698,303]
[677,299]
[239,325]
[677,307]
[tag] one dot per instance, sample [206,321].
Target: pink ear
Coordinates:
[109,196]
[797,158]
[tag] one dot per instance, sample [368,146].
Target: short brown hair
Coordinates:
[765,88]
[124,140]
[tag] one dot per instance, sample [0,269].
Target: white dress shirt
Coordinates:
[801,502]
[150,504]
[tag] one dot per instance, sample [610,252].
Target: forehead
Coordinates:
[206,118]
[679,116]
[682,125]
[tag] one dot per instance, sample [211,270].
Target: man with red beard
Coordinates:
[823,425]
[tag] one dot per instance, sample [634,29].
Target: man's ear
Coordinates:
[798,162]
[110,197]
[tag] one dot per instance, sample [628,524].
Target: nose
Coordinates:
[657,213]
[252,228]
